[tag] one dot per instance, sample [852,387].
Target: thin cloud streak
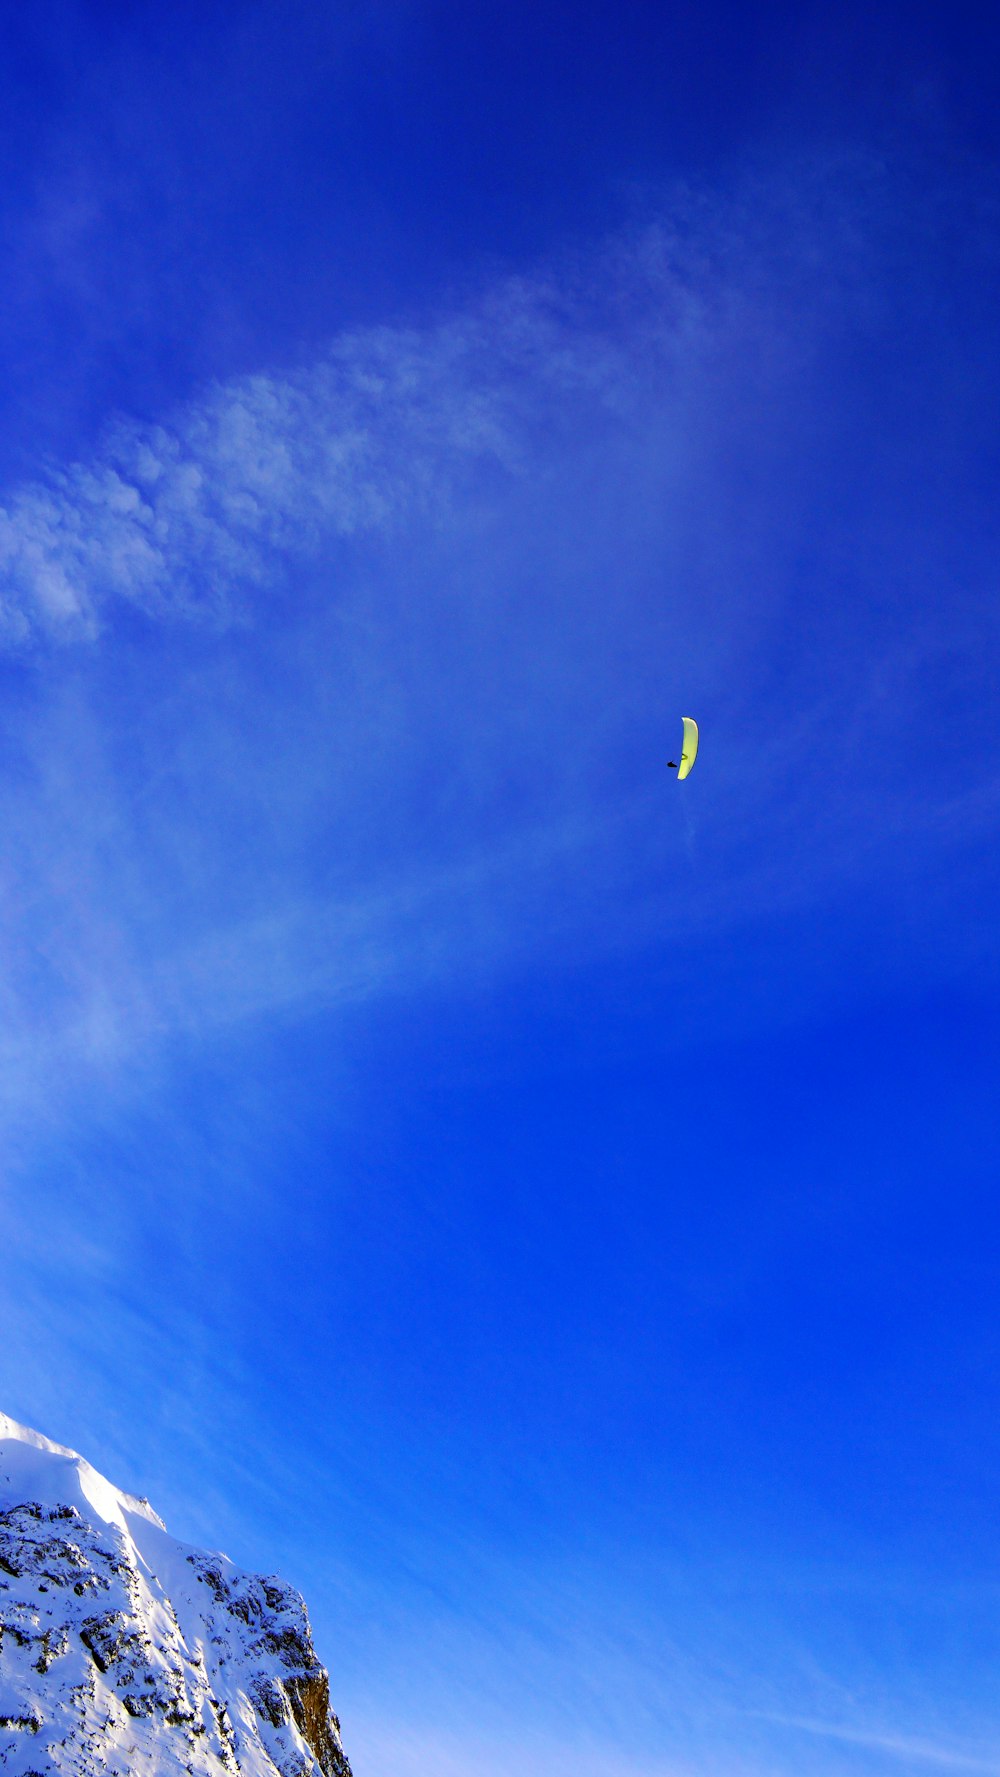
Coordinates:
[896,1746]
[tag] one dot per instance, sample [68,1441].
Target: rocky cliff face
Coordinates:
[125,1652]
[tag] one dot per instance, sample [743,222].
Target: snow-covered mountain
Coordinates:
[125,1652]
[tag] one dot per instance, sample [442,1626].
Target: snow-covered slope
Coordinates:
[123,1651]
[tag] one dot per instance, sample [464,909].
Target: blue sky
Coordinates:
[545,1211]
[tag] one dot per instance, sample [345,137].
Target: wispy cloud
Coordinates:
[471,570]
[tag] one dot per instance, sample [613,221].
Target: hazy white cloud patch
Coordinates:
[200,513]
[402,1750]
[194,516]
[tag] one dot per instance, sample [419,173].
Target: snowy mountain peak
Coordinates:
[125,1651]
[31,1465]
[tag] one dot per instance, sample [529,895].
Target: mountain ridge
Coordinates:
[125,1651]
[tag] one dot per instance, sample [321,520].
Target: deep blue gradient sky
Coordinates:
[547,1212]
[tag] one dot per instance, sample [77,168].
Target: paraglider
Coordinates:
[690,748]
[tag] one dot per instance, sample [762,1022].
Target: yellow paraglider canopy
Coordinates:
[689,751]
